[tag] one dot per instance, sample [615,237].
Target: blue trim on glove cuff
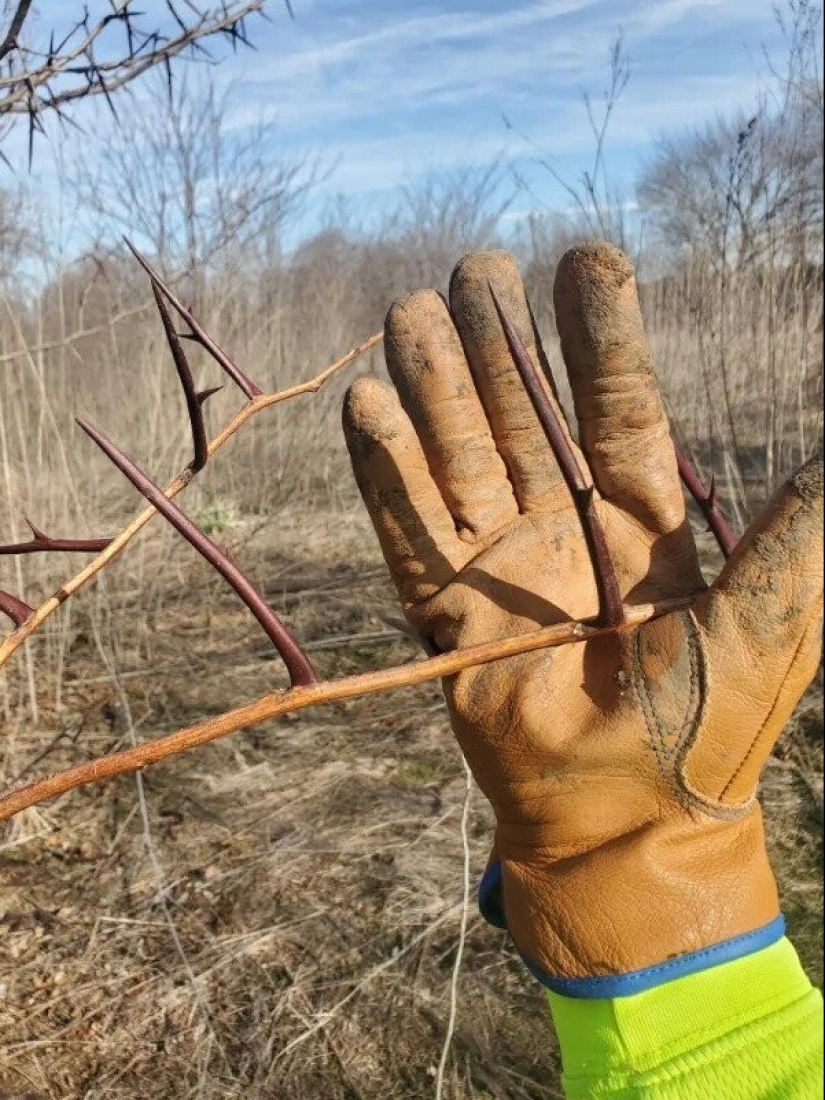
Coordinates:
[490,901]
[637,981]
[491,905]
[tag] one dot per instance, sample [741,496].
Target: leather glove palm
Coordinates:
[622,772]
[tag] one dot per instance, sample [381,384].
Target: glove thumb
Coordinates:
[762,625]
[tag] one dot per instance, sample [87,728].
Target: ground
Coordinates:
[278,915]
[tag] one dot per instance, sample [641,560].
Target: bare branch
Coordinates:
[10,644]
[287,702]
[17,20]
[88,61]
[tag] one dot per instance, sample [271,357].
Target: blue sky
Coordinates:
[388,91]
[391,90]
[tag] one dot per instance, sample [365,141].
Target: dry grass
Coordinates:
[278,914]
[287,924]
[311,871]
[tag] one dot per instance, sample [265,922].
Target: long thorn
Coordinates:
[16,610]
[708,503]
[194,404]
[199,334]
[611,608]
[298,665]
[42,544]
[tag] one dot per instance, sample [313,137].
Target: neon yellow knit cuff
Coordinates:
[756,1018]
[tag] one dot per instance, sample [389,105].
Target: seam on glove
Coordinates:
[671,760]
[747,757]
[623,985]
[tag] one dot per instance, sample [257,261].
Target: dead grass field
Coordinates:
[277,916]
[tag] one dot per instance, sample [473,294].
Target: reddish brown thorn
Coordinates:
[611,608]
[204,395]
[708,502]
[16,610]
[193,404]
[40,543]
[298,665]
[198,334]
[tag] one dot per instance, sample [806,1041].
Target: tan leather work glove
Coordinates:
[622,771]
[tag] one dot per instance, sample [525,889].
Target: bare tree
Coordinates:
[187,185]
[46,67]
[748,188]
[739,205]
[596,206]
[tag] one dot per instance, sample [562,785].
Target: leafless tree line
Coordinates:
[734,312]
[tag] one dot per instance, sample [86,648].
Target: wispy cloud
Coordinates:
[378,87]
[388,91]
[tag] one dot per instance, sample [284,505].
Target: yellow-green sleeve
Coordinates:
[750,1029]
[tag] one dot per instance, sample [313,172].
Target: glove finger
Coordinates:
[414,527]
[519,437]
[427,365]
[762,621]
[623,428]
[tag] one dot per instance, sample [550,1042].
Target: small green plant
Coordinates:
[218,517]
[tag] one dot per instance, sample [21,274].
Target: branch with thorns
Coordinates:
[35,81]
[305,688]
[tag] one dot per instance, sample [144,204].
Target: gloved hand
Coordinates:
[622,771]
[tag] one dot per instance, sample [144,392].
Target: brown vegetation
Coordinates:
[279,914]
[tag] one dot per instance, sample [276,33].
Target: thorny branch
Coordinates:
[287,702]
[37,617]
[305,688]
[97,56]
[197,332]
[611,609]
[708,502]
[298,664]
[42,544]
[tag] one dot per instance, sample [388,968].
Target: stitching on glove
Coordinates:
[747,757]
[671,760]
[666,757]
[622,985]
[725,811]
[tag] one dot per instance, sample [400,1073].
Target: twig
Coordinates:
[708,502]
[55,741]
[462,931]
[73,337]
[286,702]
[298,664]
[10,644]
[611,609]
